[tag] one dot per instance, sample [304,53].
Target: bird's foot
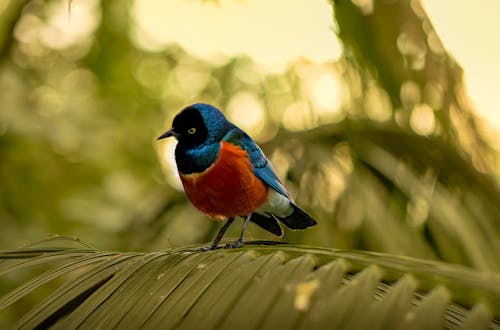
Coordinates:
[233,245]
[207,248]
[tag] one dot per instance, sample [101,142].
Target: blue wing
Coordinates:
[262,167]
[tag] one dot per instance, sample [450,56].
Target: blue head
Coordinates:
[198,124]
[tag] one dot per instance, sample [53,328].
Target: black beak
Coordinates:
[167,134]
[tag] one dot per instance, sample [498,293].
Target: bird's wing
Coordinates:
[262,168]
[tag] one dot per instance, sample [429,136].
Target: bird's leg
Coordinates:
[240,241]
[221,233]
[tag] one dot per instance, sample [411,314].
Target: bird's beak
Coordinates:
[167,134]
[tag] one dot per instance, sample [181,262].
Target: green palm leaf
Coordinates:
[257,286]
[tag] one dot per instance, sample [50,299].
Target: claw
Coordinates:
[233,245]
[207,248]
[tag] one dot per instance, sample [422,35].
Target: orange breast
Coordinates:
[228,188]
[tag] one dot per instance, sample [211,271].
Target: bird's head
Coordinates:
[198,124]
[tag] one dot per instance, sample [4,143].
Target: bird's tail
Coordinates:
[299,219]
[269,223]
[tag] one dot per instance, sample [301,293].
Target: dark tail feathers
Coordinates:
[299,219]
[268,223]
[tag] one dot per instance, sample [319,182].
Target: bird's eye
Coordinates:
[192,130]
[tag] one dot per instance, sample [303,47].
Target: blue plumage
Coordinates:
[195,158]
[200,129]
[220,129]
[217,125]
[262,167]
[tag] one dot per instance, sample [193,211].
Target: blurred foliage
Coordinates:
[382,147]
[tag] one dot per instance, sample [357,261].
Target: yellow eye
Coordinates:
[192,130]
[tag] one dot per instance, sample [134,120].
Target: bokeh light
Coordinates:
[352,130]
[247,111]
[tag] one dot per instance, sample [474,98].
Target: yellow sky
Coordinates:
[470,32]
[272,32]
[277,32]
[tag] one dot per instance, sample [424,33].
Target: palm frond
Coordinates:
[257,286]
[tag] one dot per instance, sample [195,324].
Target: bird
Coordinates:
[226,175]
